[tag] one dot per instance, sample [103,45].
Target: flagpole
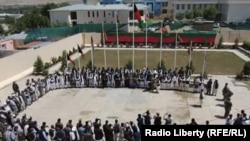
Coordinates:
[146,47]
[190,54]
[92,56]
[161,45]
[66,60]
[175,49]
[104,48]
[133,43]
[79,61]
[204,62]
[117,40]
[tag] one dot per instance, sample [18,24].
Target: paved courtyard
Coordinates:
[124,104]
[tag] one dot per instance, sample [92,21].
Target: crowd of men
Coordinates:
[27,128]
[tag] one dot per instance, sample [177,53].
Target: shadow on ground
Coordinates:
[196,106]
[220,105]
[219,116]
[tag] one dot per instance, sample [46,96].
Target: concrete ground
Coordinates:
[124,104]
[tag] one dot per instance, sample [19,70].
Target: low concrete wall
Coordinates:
[20,64]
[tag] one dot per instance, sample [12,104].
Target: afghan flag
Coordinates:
[117,18]
[137,16]
[69,59]
[179,39]
[79,49]
[92,43]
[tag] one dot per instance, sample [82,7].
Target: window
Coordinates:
[163,4]
[131,15]
[93,14]
[200,6]
[88,14]
[189,7]
[183,6]
[166,4]
[205,5]
[73,15]
[97,14]
[113,13]
[104,14]
[194,6]
[177,6]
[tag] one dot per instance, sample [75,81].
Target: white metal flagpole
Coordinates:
[133,43]
[79,61]
[204,62]
[161,44]
[117,40]
[175,50]
[190,56]
[146,45]
[104,48]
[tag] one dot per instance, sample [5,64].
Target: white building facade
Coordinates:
[230,10]
[82,14]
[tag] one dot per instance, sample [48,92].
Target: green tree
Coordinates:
[38,66]
[161,65]
[220,42]
[197,13]
[246,68]
[63,60]
[179,16]
[45,9]
[189,14]
[1,30]
[190,70]
[9,20]
[89,65]
[209,13]
[129,64]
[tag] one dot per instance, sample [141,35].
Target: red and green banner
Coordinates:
[168,38]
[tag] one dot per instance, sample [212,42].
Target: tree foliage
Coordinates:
[161,65]
[189,14]
[179,16]
[246,68]
[38,66]
[209,13]
[190,69]
[220,42]
[197,13]
[89,65]
[129,64]
[63,60]
[1,30]
[33,17]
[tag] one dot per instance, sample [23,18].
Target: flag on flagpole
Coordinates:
[79,49]
[137,16]
[69,59]
[92,43]
[179,39]
[117,18]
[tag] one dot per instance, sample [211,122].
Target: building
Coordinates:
[155,6]
[7,44]
[228,10]
[111,1]
[82,14]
